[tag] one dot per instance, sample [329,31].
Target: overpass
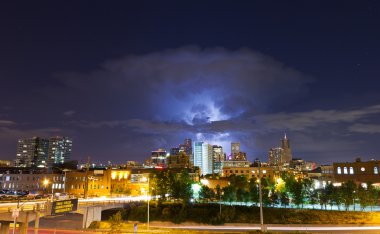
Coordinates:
[32,211]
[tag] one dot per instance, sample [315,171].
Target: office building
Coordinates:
[275,156]
[203,157]
[158,158]
[235,150]
[287,153]
[180,160]
[32,152]
[217,159]
[59,150]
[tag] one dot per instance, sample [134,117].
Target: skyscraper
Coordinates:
[275,156]
[235,150]
[217,158]
[32,152]
[203,157]
[59,150]
[287,153]
[158,158]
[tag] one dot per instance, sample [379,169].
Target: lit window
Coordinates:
[339,170]
[351,170]
[362,169]
[345,170]
[376,170]
[264,171]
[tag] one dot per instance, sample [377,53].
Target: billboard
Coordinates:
[64,206]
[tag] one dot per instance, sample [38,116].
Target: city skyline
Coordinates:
[126,78]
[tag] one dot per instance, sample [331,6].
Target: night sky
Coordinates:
[122,78]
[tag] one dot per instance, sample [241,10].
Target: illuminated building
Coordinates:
[59,150]
[275,156]
[158,158]
[203,157]
[249,172]
[235,150]
[174,151]
[287,153]
[32,152]
[179,160]
[217,159]
[32,182]
[281,156]
[358,171]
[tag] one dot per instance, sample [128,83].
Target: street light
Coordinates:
[146,179]
[46,182]
[64,182]
[261,200]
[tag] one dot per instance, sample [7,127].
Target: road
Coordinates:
[57,231]
[277,228]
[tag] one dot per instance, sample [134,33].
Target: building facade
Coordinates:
[203,157]
[358,171]
[275,156]
[60,149]
[249,172]
[287,152]
[46,183]
[32,152]
[217,159]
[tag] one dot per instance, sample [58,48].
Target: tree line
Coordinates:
[284,191]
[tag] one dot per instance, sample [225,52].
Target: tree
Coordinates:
[116,221]
[206,193]
[363,197]
[229,194]
[284,199]
[372,194]
[348,193]
[253,191]
[297,192]
[185,184]
[313,198]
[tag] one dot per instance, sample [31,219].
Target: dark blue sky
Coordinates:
[126,77]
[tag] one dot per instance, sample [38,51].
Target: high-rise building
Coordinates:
[275,156]
[180,160]
[175,150]
[235,150]
[158,158]
[287,153]
[203,157]
[217,159]
[188,146]
[32,152]
[59,150]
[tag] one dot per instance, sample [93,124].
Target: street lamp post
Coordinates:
[261,200]
[148,197]
[64,182]
[146,179]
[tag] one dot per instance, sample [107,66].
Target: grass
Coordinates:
[128,227]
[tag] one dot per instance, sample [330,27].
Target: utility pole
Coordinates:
[86,178]
[261,200]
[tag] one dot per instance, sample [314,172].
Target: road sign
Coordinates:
[64,206]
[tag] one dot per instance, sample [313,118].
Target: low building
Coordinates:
[36,183]
[180,160]
[98,182]
[249,172]
[358,171]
